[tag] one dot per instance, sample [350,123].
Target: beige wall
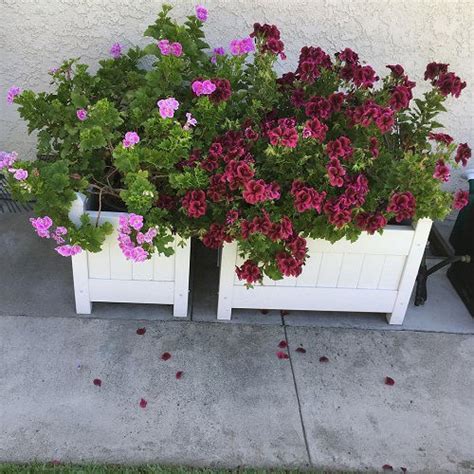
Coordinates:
[37,34]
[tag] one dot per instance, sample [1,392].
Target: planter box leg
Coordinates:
[226,281]
[81,283]
[181,284]
[410,271]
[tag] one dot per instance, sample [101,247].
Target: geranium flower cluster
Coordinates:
[45,229]
[167,48]
[132,241]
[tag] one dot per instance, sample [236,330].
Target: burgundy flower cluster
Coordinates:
[403,205]
[446,82]
[361,76]
[270,35]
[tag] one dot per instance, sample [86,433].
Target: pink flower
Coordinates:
[131,139]
[461,199]
[20,174]
[168,107]
[68,250]
[135,221]
[463,153]
[42,226]
[12,93]
[176,49]
[441,171]
[206,87]
[239,47]
[7,159]
[201,13]
[190,121]
[217,52]
[164,46]
[81,114]
[116,50]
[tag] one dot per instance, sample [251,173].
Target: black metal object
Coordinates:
[7,204]
[421,292]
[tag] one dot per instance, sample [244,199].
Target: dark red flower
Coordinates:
[194,201]
[282,344]
[463,153]
[179,374]
[434,69]
[323,359]
[223,90]
[396,69]
[143,403]
[402,205]
[249,272]
[389,381]
[141,331]
[441,137]
[97,382]
[282,355]
[165,356]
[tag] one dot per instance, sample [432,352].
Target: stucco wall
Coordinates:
[37,34]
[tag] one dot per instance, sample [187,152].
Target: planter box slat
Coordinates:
[107,276]
[123,291]
[326,299]
[374,274]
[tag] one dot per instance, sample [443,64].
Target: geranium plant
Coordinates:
[212,143]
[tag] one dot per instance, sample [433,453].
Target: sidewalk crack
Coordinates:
[303,428]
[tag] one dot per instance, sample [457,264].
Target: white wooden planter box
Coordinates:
[109,276]
[374,274]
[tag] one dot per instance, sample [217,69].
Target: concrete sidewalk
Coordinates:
[237,403]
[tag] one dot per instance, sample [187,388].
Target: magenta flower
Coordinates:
[242,46]
[116,50]
[42,226]
[164,46]
[461,199]
[217,52]
[201,13]
[135,221]
[7,159]
[176,49]
[167,107]
[131,139]
[206,87]
[68,250]
[81,114]
[12,93]
[20,174]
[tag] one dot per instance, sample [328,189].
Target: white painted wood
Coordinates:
[392,272]
[99,263]
[226,282]
[329,271]
[410,271]
[121,291]
[109,276]
[80,275]
[371,271]
[163,267]
[395,240]
[315,299]
[181,281]
[374,274]
[350,270]
[142,270]
[310,273]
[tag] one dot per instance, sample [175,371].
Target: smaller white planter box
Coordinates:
[374,274]
[107,276]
